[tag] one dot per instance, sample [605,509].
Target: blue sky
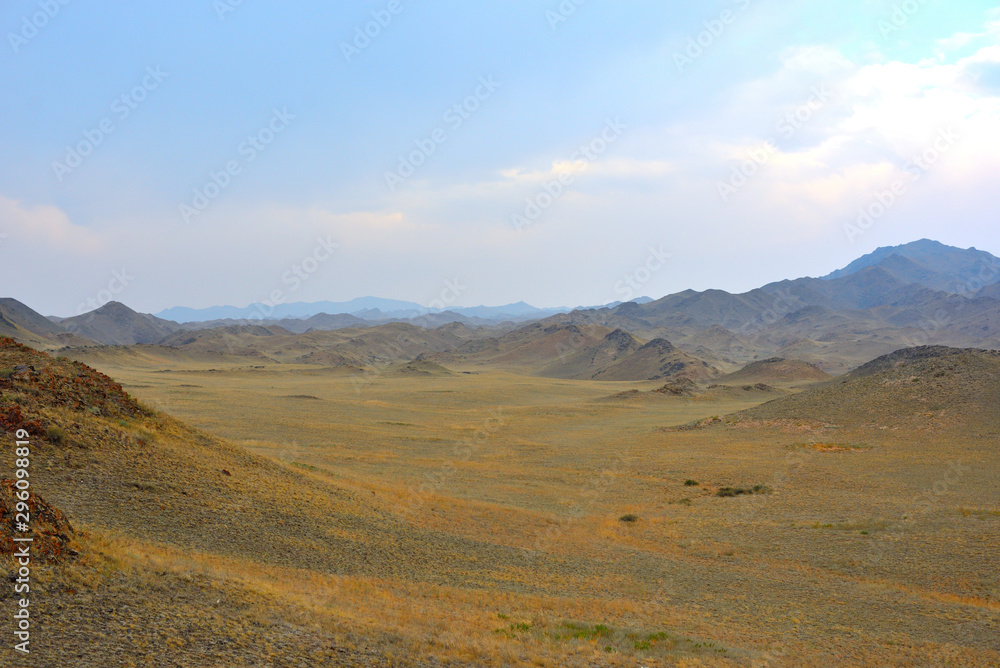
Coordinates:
[819,107]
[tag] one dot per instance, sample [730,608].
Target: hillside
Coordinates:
[927,388]
[593,358]
[776,370]
[145,484]
[24,325]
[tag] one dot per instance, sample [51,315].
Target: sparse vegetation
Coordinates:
[56,435]
[691,483]
[740,491]
[629,517]
[357,576]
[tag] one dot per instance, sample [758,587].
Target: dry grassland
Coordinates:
[481,521]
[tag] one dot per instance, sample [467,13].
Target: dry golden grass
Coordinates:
[476,518]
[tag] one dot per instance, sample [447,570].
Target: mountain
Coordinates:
[355,348]
[116,324]
[258,311]
[362,308]
[889,299]
[24,325]
[322,321]
[520,309]
[932,264]
[990,291]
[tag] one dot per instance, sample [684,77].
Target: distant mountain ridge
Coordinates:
[897,297]
[364,308]
[931,264]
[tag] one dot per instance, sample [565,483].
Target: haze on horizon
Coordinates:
[205,151]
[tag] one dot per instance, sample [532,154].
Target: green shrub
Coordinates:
[143,437]
[629,518]
[690,483]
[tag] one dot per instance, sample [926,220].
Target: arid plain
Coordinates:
[504,519]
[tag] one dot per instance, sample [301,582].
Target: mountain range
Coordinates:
[362,308]
[895,297]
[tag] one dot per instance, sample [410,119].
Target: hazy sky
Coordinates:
[206,152]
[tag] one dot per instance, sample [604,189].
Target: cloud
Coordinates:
[47,226]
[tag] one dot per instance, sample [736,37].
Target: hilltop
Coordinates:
[776,370]
[928,387]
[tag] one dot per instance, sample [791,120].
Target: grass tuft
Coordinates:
[740,491]
[56,435]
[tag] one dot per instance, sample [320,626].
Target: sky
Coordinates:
[559,152]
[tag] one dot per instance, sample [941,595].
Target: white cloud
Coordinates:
[47,226]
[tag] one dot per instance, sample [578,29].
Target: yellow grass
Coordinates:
[845,562]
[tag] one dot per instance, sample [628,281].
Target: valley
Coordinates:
[577,491]
[474,515]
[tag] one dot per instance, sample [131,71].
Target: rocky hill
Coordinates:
[928,388]
[116,324]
